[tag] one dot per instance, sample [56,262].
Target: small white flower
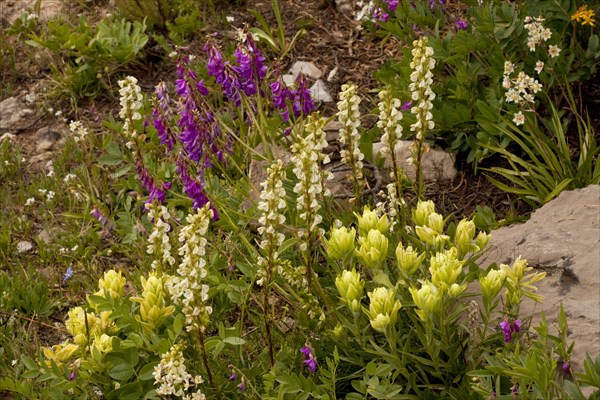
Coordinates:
[50,195]
[58,113]
[539,66]
[519,118]
[42,191]
[173,54]
[229,18]
[554,51]
[69,177]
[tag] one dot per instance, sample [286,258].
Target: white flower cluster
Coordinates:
[48,193]
[173,379]
[186,289]
[521,89]
[272,200]
[158,242]
[537,34]
[131,102]
[349,116]
[421,79]
[78,130]
[389,123]
[307,160]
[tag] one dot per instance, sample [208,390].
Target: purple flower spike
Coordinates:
[461,24]
[194,189]
[303,104]
[155,192]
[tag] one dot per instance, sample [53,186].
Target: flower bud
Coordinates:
[112,283]
[455,289]
[102,344]
[436,222]
[421,213]
[408,259]
[445,268]
[465,232]
[373,249]
[370,220]
[492,283]
[60,353]
[152,304]
[482,240]
[340,245]
[426,234]
[383,308]
[427,299]
[350,287]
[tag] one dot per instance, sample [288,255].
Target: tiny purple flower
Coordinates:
[461,24]
[566,367]
[506,330]
[306,351]
[516,327]
[406,105]
[302,101]
[311,363]
[233,376]
[391,5]
[242,385]
[72,375]
[68,275]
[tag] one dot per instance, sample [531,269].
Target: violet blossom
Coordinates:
[281,94]
[461,24]
[194,188]
[301,96]
[509,328]
[225,75]
[155,192]
[251,67]
[161,114]
[310,360]
[379,15]
[391,5]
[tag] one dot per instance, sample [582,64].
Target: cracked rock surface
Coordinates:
[562,238]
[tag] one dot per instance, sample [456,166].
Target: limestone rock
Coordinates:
[318,92]
[563,239]
[438,165]
[308,68]
[24,246]
[46,139]
[12,113]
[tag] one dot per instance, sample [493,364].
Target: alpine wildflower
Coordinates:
[172,378]
[158,242]
[349,116]
[131,103]
[584,16]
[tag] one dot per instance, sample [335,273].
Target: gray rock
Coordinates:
[438,165]
[308,68]
[563,239]
[24,246]
[289,80]
[318,91]
[12,112]
[46,138]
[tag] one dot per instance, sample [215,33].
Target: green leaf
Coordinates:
[122,371]
[145,373]
[235,341]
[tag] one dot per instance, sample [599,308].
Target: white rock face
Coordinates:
[563,239]
[12,113]
[308,68]
[437,164]
[24,246]
[318,92]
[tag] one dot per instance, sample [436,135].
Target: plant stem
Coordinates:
[204,358]
[267,325]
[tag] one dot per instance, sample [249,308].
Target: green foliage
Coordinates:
[84,57]
[550,166]
[26,293]
[468,84]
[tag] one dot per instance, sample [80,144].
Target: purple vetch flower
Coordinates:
[379,15]
[161,116]
[225,75]
[515,390]
[233,376]
[155,192]
[72,376]
[310,360]
[301,96]
[391,5]
[566,367]
[434,3]
[281,94]
[242,385]
[508,328]
[461,24]
[194,188]
[406,106]
[251,68]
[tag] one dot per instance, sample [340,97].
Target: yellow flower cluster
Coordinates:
[584,16]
